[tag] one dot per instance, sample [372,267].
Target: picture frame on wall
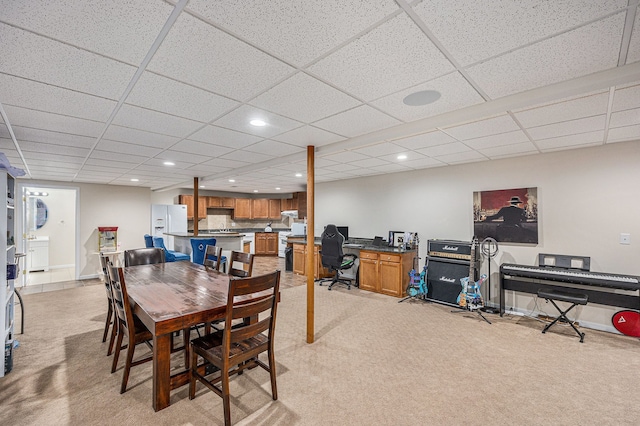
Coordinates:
[507,215]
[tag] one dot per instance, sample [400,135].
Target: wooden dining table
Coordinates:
[171,297]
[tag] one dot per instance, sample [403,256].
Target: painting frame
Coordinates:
[507,215]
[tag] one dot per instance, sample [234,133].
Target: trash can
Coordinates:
[288,259]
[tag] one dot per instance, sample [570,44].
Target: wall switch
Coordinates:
[625,238]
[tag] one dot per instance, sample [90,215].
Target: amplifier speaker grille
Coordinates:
[443,280]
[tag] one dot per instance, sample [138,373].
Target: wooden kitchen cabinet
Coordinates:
[188,200]
[221,202]
[266,243]
[260,208]
[242,209]
[300,261]
[287,204]
[275,208]
[386,273]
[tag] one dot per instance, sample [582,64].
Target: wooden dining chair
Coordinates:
[213,257]
[236,348]
[246,259]
[144,256]
[129,325]
[112,319]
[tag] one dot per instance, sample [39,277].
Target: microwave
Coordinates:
[298,229]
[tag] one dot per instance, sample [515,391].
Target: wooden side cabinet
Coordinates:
[243,208]
[300,261]
[386,273]
[266,243]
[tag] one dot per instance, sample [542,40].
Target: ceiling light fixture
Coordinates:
[232,180]
[277,188]
[169,163]
[258,123]
[135,180]
[255,190]
[298,174]
[402,157]
[424,97]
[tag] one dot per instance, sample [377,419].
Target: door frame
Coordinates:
[21,221]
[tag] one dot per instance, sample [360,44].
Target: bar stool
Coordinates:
[573,298]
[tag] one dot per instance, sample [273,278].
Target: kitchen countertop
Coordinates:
[358,244]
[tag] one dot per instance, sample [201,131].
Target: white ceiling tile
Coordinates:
[173,97]
[627,133]
[246,156]
[200,148]
[489,126]
[576,53]
[116,156]
[52,122]
[60,157]
[224,137]
[492,27]
[226,163]
[425,140]
[308,135]
[626,98]
[56,138]
[239,120]
[370,162]
[152,121]
[625,118]
[423,163]
[120,29]
[501,139]
[305,99]
[564,111]
[357,121]
[139,137]
[571,141]
[449,148]
[509,150]
[393,56]
[303,30]
[345,157]
[455,93]
[46,148]
[634,46]
[178,168]
[274,148]
[339,167]
[565,128]
[208,169]
[41,59]
[462,157]
[127,148]
[390,168]
[199,54]
[43,97]
[381,149]
[182,157]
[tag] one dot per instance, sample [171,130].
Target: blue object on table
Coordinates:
[198,247]
[170,255]
[148,241]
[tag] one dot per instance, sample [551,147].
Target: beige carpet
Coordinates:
[374,362]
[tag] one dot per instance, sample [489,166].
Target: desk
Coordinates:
[170,297]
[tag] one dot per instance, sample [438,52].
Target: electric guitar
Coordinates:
[464,282]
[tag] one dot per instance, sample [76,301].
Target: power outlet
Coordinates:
[625,238]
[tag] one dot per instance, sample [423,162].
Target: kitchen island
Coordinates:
[228,241]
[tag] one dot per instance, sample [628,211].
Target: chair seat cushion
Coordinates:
[578,299]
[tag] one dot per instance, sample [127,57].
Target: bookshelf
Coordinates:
[7,279]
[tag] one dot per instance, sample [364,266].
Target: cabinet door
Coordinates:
[272,244]
[275,208]
[188,200]
[299,258]
[390,279]
[287,204]
[214,202]
[202,207]
[260,208]
[242,209]
[369,272]
[261,243]
[227,202]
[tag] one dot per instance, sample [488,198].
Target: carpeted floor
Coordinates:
[374,362]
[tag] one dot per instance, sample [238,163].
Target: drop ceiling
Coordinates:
[106,91]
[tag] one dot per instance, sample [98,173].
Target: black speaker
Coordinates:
[443,279]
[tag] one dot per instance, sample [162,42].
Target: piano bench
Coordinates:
[573,298]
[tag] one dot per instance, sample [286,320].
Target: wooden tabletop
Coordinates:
[172,296]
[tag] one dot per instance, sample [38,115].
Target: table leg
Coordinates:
[161,371]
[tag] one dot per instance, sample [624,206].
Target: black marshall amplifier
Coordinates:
[449,249]
[448,262]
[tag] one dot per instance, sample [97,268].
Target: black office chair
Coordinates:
[333,257]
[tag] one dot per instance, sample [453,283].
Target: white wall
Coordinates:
[586,198]
[60,226]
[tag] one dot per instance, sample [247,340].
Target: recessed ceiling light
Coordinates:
[169,163]
[423,97]
[298,174]
[258,123]
[232,180]
[255,190]
[402,157]
[277,188]
[201,186]
[135,180]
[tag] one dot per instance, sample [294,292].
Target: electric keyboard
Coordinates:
[575,276]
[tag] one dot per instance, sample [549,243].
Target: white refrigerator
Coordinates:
[168,218]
